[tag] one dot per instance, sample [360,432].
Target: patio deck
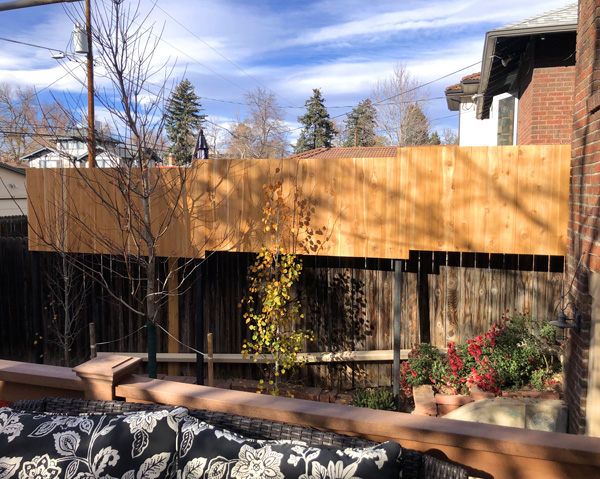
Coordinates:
[488,451]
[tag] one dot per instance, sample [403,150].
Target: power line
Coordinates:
[404,92]
[444,117]
[218,52]
[30,45]
[428,83]
[292,106]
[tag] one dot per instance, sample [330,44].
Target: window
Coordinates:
[506,121]
[48,164]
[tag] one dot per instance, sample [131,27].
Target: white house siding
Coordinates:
[54,160]
[13,193]
[474,132]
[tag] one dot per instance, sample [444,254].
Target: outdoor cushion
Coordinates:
[139,445]
[207,451]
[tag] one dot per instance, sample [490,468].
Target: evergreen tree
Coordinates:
[319,130]
[360,125]
[415,126]
[435,139]
[183,121]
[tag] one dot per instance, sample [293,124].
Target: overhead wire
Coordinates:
[289,130]
[218,52]
[31,45]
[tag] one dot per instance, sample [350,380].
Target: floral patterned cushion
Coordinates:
[132,446]
[208,452]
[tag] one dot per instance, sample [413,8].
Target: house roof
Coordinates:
[509,47]
[15,169]
[82,134]
[36,153]
[463,91]
[555,19]
[473,77]
[359,152]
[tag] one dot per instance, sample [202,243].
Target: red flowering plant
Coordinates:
[424,366]
[513,353]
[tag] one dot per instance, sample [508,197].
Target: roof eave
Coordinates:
[14,169]
[489,49]
[453,99]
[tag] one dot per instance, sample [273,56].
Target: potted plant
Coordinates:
[514,353]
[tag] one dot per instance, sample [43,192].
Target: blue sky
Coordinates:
[291,47]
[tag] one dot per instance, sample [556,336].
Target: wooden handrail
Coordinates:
[319,357]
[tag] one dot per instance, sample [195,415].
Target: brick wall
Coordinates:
[584,220]
[546,107]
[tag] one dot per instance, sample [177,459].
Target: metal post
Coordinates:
[200,324]
[397,320]
[93,352]
[209,348]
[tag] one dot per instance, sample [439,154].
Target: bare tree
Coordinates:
[67,287]
[449,137]
[26,124]
[262,134]
[392,97]
[139,204]
[216,138]
[241,140]
[266,121]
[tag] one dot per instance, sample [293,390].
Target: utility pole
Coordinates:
[90,62]
[90,82]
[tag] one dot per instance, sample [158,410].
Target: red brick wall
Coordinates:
[546,107]
[584,217]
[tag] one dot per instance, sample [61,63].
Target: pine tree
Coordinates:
[319,130]
[183,120]
[360,125]
[415,126]
[435,139]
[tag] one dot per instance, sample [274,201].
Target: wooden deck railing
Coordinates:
[471,199]
[488,451]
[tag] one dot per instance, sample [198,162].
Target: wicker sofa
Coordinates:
[413,463]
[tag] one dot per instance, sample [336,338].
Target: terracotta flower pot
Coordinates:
[449,402]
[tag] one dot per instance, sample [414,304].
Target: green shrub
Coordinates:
[379,398]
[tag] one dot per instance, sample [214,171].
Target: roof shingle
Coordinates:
[566,15]
[359,152]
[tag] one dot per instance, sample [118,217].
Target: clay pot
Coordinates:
[449,402]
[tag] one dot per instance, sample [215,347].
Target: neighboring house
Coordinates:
[524,92]
[71,151]
[13,194]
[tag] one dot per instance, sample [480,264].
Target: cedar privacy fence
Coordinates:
[507,200]
[443,238]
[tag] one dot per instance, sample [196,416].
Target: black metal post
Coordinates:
[200,324]
[397,319]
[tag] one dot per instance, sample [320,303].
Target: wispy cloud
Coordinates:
[343,47]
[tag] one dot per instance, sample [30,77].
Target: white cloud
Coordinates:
[432,17]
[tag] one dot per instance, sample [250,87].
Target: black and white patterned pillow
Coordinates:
[140,445]
[208,452]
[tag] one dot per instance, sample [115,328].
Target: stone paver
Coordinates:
[528,413]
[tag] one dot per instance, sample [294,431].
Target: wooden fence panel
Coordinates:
[350,307]
[511,199]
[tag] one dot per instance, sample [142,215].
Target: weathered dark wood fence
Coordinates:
[347,301]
